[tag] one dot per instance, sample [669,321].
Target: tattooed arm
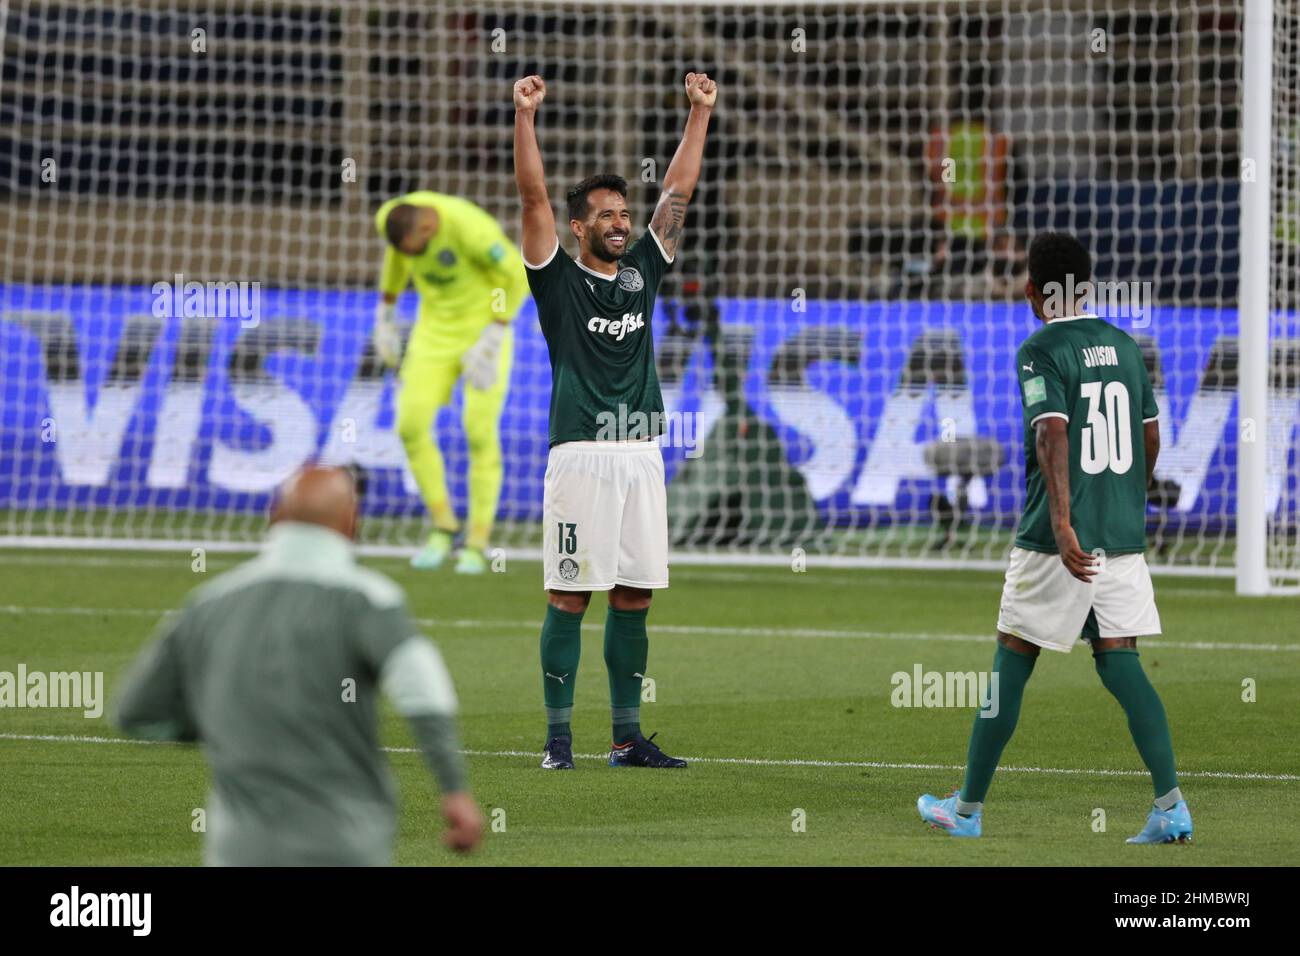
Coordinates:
[684,171]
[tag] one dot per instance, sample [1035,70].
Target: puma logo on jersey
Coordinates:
[560,678]
[1029,368]
[591,285]
[616,328]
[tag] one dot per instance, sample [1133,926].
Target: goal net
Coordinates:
[189,259]
[1279,346]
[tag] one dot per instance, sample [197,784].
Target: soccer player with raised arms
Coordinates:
[605,510]
[471,284]
[1077,567]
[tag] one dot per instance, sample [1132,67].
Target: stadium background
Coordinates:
[227,166]
[827,357]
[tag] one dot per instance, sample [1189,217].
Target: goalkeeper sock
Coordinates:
[990,734]
[1121,671]
[626,651]
[477,539]
[561,648]
[444,519]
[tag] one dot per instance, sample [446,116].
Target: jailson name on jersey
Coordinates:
[1095,355]
[616,328]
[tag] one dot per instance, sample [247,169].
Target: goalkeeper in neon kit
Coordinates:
[471,282]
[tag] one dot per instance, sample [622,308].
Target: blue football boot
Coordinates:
[640,752]
[558,754]
[942,814]
[1166,826]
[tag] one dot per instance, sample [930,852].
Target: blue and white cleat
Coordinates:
[558,754]
[942,814]
[434,552]
[642,752]
[1166,826]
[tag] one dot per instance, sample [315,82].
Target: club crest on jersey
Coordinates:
[629,280]
[616,328]
[569,569]
[447,258]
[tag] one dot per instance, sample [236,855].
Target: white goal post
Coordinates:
[188,258]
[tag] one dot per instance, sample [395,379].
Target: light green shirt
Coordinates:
[275,668]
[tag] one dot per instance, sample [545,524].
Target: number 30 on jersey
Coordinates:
[1107,439]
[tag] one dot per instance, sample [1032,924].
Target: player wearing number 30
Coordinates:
[1091,440]
[471,284]
[605,509]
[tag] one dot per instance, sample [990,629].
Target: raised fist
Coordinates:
[529,93]
[701,90]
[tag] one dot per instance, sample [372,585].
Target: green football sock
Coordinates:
[990,734]
[626,651]
[1121,671]
[561,647]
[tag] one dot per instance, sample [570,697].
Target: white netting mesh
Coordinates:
[1282,463]
[842,320]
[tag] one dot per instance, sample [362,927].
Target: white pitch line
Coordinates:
[746,761]
[889,578]
[84,611]
[529,625]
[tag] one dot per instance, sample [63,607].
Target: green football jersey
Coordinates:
[597,331]
[1091,374]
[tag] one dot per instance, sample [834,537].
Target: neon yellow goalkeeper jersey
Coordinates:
[469,274]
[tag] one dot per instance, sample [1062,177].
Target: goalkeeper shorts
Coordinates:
[1044,604]
[605,514]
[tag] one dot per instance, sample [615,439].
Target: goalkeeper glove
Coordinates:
[481,359]
[387,339]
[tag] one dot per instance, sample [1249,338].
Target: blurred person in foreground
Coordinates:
[275,667]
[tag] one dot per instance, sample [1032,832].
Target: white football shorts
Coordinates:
[1046,605]
[605,516]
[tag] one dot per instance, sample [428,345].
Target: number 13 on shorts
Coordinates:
[564,566]
[567,536]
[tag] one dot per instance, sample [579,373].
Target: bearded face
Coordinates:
[607,229]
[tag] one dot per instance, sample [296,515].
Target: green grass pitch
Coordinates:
[791,672]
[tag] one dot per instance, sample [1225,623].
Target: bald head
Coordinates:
[323,496]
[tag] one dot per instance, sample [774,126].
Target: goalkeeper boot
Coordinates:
[1166,826]
[558,754]
[434,552]
[641,752]
[471,561]
[943,815]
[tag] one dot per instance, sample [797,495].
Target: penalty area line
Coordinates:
[744,761]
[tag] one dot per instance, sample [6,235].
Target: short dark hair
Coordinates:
[401,220]
[577,196]
[1058,257]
